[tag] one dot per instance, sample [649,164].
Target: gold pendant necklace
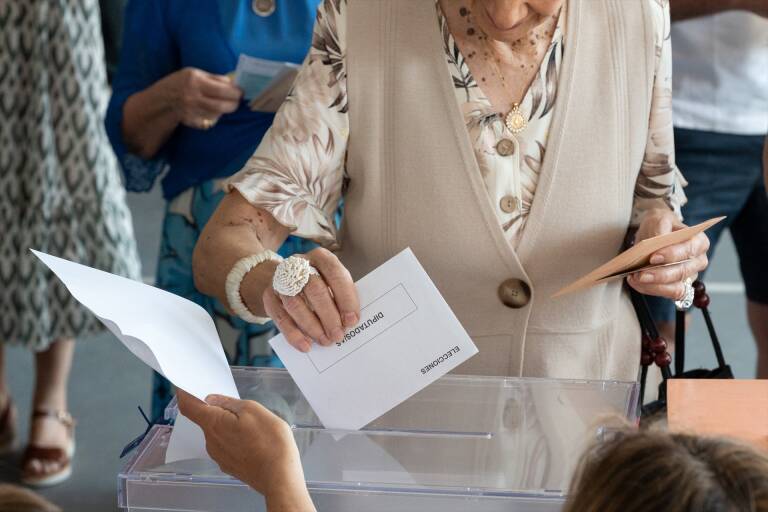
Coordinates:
[515,121]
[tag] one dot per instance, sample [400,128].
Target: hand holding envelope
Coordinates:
[642,259]
[677,262]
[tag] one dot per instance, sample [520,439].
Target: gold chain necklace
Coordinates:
[514,120]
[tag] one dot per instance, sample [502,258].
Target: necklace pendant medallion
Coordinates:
[515,120]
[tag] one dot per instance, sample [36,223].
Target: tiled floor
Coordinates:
[108,383]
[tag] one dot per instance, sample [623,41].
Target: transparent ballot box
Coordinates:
[465,443]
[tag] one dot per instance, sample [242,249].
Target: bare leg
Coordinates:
[52,375]
[758,321]
[5,395]
[51,378]
[3,386]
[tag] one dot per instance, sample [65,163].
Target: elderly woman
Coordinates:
[175,110]
[511,144]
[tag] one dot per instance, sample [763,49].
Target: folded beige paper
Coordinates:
[732,408]
[636,258]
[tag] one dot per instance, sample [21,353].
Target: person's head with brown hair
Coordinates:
[644,471]
[17,499]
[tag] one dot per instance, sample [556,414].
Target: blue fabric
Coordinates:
[164,36]
[725,177]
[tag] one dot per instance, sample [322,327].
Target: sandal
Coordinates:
[58,458]
[7,427]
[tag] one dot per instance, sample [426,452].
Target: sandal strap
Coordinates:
[62,417]
[45,453]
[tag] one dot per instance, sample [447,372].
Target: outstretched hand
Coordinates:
[248,442]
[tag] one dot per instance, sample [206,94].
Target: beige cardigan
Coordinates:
[414,181]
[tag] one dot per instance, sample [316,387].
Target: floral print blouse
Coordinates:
[298,175]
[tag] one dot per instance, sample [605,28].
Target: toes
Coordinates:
[35,466]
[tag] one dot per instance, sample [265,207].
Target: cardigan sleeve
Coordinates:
[297,172]
[660,183]
[148,54]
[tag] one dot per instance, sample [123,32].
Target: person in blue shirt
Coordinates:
[176,112]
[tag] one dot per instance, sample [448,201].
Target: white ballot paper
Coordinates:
[265,83]
[173,335]
[406,339]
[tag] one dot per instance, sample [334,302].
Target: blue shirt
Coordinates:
[163,36]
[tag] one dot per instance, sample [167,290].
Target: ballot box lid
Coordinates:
[498,442]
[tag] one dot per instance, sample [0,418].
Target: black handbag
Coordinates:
[654,349]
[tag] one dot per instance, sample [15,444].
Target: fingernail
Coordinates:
[349,319]
[306,345]
[324,341]
[338,334]
[646,278]
[657,259]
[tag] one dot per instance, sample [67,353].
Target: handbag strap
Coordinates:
[679,342]
[701,301]
[651,334]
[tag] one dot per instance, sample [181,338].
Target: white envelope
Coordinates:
[406,339]
[265,83]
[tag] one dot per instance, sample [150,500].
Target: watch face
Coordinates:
[263,7]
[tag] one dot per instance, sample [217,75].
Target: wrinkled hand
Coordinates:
[327,305]
[248,442]
[200,98]
[669,281]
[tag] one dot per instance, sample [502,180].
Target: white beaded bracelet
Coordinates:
[234,280]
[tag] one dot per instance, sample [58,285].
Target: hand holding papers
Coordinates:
[174,336]
[406,339]
[637,258]
[265,83]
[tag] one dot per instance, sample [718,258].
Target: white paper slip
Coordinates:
[406,339]
[265,83]
[174,336]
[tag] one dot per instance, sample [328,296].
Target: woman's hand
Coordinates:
[327,305]
[250,443]
[669,281]
[199,98]
[189,96]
